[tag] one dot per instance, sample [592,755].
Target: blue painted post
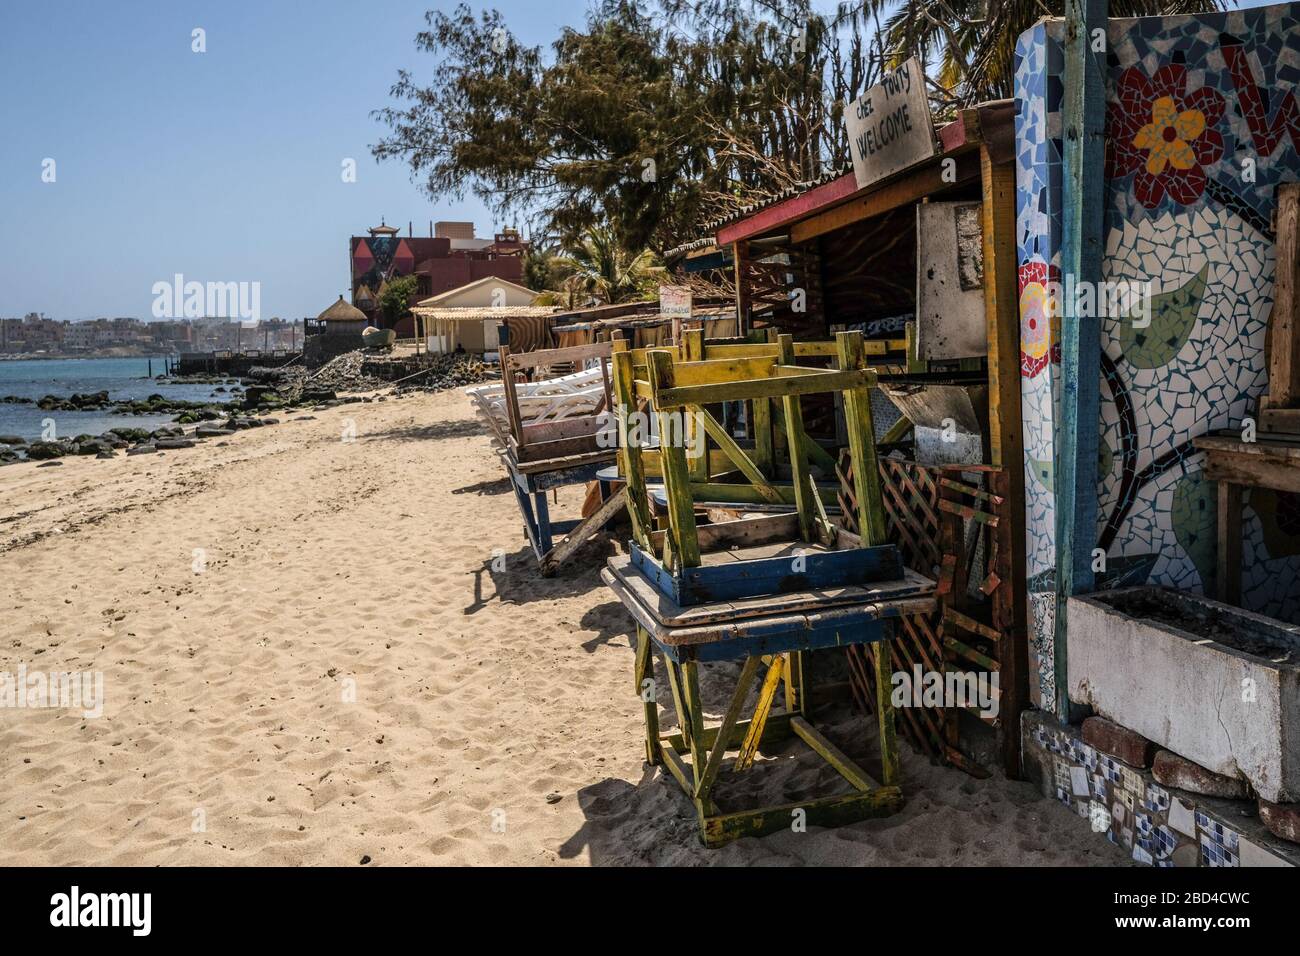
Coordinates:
[1083,186]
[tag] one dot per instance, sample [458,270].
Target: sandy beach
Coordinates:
[309,659]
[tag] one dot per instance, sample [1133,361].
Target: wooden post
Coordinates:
[692,347]
[1284,337]
[862,444]
[511,396]
[1006,448]
[1083,186]
[796,439]
[685,545]
[630,461]
[1229,567]
[740,265]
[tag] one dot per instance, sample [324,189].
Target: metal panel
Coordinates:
[950,316]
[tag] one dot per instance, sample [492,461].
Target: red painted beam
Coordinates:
[789,210]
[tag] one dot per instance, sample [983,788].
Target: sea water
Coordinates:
[125,379]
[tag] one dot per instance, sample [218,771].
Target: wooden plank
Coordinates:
[644,670]
[907,189]
[690,675]
[1279,472]
[972,655]
[1284,326]
[692,347]
[721,829]
[729,719]
[685,548]
[1084,194]
[766,693]
[849,770]
[1229,551]
[585,529]
[511,397]
[788,210]
[870,517]
[784,383]
[660,613]
[968,623]
[733,452]
[885,712]
[569,355]
[577,427]
[798,441]
[742,532]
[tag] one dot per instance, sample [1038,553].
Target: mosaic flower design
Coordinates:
[1040,325]
[1164,134]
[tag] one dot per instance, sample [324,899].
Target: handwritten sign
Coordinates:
[675,304]
[889,125]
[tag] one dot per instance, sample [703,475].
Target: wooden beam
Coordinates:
[1083,188]
[907,189]
[789,210]
[1229,569]
[1284,324]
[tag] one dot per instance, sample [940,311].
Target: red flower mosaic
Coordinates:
[1163,134]
[1040,325]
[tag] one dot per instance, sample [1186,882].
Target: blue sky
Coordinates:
[223,166]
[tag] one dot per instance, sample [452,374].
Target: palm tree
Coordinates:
[599,269]
[973,42]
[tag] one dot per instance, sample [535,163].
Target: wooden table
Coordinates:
[1269,462]
[774,631]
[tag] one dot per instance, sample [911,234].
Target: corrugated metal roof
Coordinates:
[744,212]
[472,313]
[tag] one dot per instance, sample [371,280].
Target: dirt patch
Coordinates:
[1186,613]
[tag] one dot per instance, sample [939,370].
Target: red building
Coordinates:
[450,257]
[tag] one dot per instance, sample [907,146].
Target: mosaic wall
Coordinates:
[1152,825]
[1202,125]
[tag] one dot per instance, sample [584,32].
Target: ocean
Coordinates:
[123,378]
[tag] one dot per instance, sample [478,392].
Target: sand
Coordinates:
[308,658]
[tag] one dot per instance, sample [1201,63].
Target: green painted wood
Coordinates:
[645,669]
[693,351]
[685,551]
[690,672]
[862,444]
[881,655]
[734,452]
[729,720]
[825,812]
[798,448]
[631,465]
[1083,118]
[760,429]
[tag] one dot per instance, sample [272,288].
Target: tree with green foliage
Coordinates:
[969,46]
[597,269]
[394,301]
[654,118]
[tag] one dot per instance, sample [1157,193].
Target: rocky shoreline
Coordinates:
[266,390]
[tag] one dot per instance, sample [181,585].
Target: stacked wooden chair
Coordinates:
[554,435]
[761,591]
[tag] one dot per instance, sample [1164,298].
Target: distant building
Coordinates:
[341,318]
[447,259]
[469,317]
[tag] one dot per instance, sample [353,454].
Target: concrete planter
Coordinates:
[1215,684]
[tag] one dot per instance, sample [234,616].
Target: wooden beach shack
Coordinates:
[921,259]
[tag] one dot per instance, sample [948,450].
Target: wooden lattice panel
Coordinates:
[910,494]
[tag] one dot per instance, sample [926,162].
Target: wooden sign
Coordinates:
[889,125]
[675,304]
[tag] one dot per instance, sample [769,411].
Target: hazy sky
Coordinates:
[223,166]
